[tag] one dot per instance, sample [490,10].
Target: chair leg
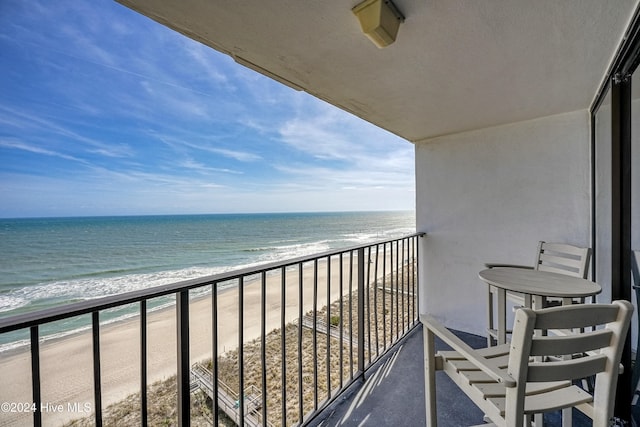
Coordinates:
[430,377]
[502,316]
[538,420]
[567,417]
[490,316]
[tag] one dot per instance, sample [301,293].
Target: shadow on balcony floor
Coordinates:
[393,394]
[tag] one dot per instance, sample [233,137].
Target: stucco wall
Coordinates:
[491,195]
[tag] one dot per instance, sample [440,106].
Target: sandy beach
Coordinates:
[66,364]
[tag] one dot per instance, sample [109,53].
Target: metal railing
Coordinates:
[358,303]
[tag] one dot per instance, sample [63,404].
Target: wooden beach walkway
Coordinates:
[228,400]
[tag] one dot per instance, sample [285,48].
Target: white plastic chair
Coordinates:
[510,388]
[554,257]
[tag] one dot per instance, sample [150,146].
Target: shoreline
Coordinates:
[25,344]
[66,363]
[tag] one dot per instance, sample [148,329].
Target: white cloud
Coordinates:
[209,147]
[19,145]
[33,124]
[202,56]
[203,168]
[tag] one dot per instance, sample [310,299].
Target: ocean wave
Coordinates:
[284,252]
[89,288]
[120,316]
[371,237]
[264,249]
[10,302]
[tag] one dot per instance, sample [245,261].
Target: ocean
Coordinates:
[45,262]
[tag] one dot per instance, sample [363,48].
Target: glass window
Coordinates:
[602,220]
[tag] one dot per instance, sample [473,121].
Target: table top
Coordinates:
[541,283]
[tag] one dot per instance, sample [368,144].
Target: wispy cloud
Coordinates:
[27,122]
[315,139]
[19,145]
[202,57]
[203,168]
[210,147]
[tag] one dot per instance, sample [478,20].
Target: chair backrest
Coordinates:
[602,348]
[635,273]
[563,258]
[635,267]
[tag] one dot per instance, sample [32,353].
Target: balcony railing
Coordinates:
[324,320]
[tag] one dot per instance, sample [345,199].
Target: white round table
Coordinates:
[536,286]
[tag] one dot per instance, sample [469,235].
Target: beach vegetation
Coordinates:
[335,321]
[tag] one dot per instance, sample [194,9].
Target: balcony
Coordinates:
[305,337]
[319,355]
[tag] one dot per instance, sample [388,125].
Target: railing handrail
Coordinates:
[40,317]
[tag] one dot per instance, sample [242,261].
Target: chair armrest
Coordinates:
[487,366]
[498,265]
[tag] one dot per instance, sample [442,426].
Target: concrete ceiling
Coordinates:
[456,65]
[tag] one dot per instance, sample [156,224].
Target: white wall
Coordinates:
[491,195]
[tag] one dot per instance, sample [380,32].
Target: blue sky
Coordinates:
[105,112]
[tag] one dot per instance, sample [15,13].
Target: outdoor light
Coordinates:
[379,20]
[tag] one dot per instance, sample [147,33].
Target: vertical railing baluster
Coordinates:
[414,277]
[241,350]
[283,348]
[328,367]
[391,293]
[416,284]
[412,272]
[341,301]
[351,316]
[97,387]
[361,298]
[214,350]
[375,298]
[384,293]
[184,366]
[368,294]
[397,269]
[144,420]
[404,307]
[263,338]
[315,334]
[300,304]
[35,376]
[414,242]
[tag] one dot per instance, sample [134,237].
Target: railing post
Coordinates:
[214,350]
[35,375]
[97,386]
[184,373]
[361,299]
[241,397]
[144,419]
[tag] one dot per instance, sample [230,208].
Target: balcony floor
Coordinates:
[393,393]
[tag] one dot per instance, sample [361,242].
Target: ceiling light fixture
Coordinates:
[380,20]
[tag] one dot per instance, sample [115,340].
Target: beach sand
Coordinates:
[67,368]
